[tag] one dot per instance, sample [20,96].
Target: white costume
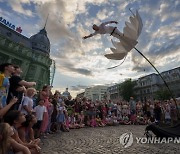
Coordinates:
[128,41]
[103,29]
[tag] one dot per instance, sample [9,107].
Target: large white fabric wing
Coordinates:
[116,56]
[128,41]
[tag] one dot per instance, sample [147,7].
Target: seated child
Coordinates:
[93,122]
[114,119]
[133,119]
[109,121]
[104,120]
[99,121]
[120,119]
[141,120]
[73,122]
[126,120]
[151,120]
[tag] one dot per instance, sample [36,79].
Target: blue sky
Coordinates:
[81,63]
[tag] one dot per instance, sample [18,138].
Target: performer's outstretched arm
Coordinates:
[90,35]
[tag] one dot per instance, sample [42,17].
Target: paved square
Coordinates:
[102,140]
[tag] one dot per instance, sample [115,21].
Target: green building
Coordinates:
[31,54]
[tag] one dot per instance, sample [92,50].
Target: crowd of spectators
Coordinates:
[27,116]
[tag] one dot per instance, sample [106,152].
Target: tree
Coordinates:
[126,89]
[163,94]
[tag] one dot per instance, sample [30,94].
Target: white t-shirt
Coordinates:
[40,112]
[61,109]
[27,101]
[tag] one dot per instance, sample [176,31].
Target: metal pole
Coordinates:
[163,81]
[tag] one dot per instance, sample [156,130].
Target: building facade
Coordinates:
[172,78]
[147,86]
[31,54]
[114,92]
[81,95]
[96,92]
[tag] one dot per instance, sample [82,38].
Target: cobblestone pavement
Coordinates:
[102,141]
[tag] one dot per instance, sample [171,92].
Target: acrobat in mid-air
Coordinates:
[128,39]
[104,29]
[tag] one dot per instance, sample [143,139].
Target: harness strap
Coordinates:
[113,30]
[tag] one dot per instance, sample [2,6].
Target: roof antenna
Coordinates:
[46,21]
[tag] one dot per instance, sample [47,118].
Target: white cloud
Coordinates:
[102,14]
[81,59]
[17,6]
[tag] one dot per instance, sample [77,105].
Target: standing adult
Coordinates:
[17,87]
[55,101]
[157,112]
[6,70]
[70,105]
[132,104]
[44,95]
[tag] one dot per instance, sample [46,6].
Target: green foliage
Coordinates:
[163,94]
[126,89]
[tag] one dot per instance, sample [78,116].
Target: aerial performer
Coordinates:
[127,40]
[104,29]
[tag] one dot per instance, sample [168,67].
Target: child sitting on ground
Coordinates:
[126,120]
[114,119]
[133,119]
[73,122]
[109,121]
[141,120]
[93,122]
[99,121]
[104,121]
